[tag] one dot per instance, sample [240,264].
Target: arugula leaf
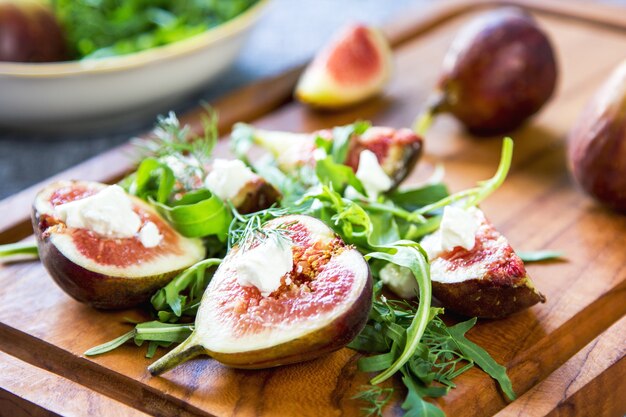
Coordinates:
[481,357]
[341,139]
[191,281]
[18,251]
[414,198]
[338,175]
[414,404]
[414,258]
[152,180]
[540,255]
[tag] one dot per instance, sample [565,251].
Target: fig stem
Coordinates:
[425,119]
[181,353]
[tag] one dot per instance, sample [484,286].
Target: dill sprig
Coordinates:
[248,228]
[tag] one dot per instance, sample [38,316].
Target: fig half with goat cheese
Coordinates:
[291,292]
[106,248]
[597,143]
[500,70]
[473,269]
[353,67]
[396,151]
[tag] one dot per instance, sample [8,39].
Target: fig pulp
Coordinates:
[597,143]
[353,67]
[29,32]
[319,306]
[499,70]
[488,281]
[397,150]
[107,272]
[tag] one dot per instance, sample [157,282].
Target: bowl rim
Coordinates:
[136,59]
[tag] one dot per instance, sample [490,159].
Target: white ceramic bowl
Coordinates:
[78,93]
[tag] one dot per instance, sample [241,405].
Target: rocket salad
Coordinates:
[401,336]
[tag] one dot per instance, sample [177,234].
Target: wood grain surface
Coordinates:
[571,343]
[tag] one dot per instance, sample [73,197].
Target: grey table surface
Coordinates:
[289,32]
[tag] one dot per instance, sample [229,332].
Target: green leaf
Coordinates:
[337,175]
[540,255]
[414,198]
[18,251]
[413,258]
[198,213]
[341,140]
[162,332]
[153,179]
[113,344]
[481,357]
[414,404]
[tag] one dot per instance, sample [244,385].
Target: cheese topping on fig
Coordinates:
[108,213]
[149,235]
[372,175]
[264,266]
[228,177]
[457,229]
[400,280]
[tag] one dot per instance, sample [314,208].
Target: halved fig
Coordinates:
[319,305]
[353,67]
[108,271]
[397,150]
[488,281]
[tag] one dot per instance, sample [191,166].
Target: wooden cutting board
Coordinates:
[565,357]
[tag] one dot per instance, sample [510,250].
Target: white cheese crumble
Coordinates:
[400,280]
[457,229]
[264,266]
[149,235]
[372,175]
[319,154]
[228,177]
[108,213]
[180,166]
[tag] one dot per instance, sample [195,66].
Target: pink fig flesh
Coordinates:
[319,307]
[353,67]
[597,143]
[500,70]
[104,272]
[488,281]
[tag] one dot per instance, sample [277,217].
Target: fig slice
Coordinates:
[353,67]
[320,305]
[488,281]
[107,272]
[397,150]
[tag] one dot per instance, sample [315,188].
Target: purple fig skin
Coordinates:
[499,71]
[597,143]
[486,299]
[29,32]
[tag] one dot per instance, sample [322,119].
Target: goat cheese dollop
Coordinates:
[265,265]
[108,213]
[228,177]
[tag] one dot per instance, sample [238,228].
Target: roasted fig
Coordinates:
[29,32]
[355,66]
[397,150]
[473,269]
[597,143]
[499,71]
[106,248]
[292,292]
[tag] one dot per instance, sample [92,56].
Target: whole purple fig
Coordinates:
[597,143]
[29,32]
[499,70]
